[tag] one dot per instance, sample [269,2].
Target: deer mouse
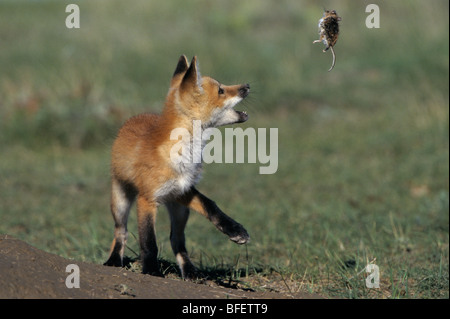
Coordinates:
[329,32]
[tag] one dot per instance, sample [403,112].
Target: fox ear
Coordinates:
[192,78]
[180,70]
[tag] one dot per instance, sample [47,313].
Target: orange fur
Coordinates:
[141,166]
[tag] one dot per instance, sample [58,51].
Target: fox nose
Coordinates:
[244,90]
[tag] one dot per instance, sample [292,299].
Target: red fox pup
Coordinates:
[142,168]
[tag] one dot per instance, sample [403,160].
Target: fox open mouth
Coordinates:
[243,116]
[244,90]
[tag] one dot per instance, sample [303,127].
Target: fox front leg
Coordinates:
[202,204]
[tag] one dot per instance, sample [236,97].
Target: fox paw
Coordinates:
[239,235]
[114,260]
[192,273]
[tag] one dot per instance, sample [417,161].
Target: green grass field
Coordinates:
[363,173]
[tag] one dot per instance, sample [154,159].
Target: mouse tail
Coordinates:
[334,59]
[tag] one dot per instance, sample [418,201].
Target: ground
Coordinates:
[27,272]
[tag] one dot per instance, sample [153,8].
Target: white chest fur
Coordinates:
[187,169]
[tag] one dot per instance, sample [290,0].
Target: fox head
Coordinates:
[202,98]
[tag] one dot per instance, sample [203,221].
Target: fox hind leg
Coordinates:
[122,197]
[179,215]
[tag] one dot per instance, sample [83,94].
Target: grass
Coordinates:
[363,170]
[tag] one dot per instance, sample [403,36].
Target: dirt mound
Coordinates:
[27,272]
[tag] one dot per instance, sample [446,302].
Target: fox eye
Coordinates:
[221,91]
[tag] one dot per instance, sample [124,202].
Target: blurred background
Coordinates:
[363,173]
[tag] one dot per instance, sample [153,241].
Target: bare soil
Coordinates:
[27,272]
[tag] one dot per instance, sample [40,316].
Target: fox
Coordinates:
[142,170]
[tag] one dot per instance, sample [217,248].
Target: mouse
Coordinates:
[329,32]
